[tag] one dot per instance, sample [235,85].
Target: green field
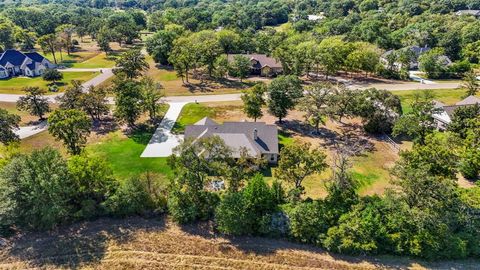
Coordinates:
[122,153]
[15,85]
[191,114]
[447,96]
[87,59]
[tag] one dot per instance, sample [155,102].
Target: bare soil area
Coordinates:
[138,243]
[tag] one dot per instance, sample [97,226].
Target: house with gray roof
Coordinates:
[261,64]
[256,138]
[413,52]
[15,63]
[443,116]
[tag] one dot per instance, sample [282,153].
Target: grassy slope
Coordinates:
[15,85]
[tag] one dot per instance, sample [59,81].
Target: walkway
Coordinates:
[25,132]
[163,140]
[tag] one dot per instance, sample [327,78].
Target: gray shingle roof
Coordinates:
[262,59]
[468,12]
[470,100]
[239,134]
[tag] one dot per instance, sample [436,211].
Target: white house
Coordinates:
[15,63]
[445,113]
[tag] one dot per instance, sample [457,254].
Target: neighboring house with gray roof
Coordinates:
[445,112]
[413,51]
[257,138]
[262,64]
[15,63]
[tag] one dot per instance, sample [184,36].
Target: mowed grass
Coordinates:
[16,84]
[123,152]
[447,96]
[192,113]
[84,59]
[98,61]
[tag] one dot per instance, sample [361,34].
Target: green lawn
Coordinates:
[15,85]
[122,153]
[192,113]
[86,59]
[98,61]
[447,96]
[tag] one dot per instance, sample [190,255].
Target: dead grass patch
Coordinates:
[136,243]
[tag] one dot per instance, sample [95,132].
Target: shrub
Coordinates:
[307,222]
[187,207]
[93,182]
[248,211]
[360,231]
[137,196]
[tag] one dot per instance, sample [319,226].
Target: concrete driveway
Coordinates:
[24,132]
[163,141]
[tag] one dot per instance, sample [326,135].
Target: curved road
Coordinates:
[163,136]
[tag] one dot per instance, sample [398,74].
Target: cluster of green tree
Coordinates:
[53,26]
[364,27]
[378,109]
[135,93]
[42,190]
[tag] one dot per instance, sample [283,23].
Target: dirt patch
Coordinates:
[137,243]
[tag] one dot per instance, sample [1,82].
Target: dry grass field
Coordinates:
[175,87]
[137,243]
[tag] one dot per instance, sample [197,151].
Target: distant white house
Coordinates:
[445,113]
[468,12]
[15,63]
[316,18]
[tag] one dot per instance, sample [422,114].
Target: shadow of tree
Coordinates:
[141,134]
[351,138]
[78,244]
[104,126]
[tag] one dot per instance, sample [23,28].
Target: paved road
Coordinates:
[408,86]
[28,131]
[106,74]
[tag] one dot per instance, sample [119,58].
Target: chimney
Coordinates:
[255,134]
